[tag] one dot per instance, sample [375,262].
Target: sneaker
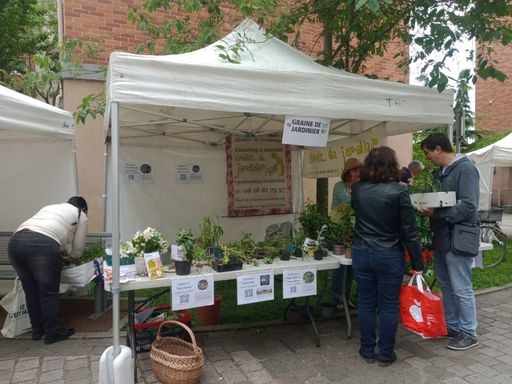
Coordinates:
[462,342]
[452,334]
[62,334]
[37,334]
[369,360]
[386,363]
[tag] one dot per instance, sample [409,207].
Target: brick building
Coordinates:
[494,98]
[105,22]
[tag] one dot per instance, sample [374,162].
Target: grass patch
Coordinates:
[497,276]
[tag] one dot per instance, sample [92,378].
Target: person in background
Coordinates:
[408,173]
[341,195]
[385,223]
[453,272]
[36,250]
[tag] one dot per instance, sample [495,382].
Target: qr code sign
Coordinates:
[293,289]
[249,293]
[184,299]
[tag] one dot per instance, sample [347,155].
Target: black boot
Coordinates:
[61,334]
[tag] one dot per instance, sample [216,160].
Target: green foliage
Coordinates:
[312,219]
[210,232]
[186,239]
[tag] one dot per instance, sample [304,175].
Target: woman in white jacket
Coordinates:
[36,250]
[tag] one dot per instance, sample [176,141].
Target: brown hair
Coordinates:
[380,166]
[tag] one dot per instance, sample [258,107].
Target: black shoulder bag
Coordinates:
[465,240]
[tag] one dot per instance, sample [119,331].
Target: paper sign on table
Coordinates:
[255,287]
[299,282]
[192,291]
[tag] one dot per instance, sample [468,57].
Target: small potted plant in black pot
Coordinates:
[187,251]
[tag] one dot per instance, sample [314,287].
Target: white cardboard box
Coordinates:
[434,199]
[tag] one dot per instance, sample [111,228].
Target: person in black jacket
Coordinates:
[385,223]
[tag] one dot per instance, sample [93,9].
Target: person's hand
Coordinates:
[425,211]
[417,272]
[64,252]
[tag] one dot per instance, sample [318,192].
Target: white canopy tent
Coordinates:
[177,109]
[496,155]
[37,151]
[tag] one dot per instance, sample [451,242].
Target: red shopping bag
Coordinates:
[421,310]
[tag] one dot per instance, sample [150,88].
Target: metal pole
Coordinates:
[115,227]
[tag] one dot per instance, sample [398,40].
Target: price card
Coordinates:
[192,291]
[299,282]
[255,287]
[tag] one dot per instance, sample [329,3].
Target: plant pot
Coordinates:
[233,265]
[182,267]
[215,253]
[338,249]
[211,314]
[298,252]
[326,310]
[285,255]
[319,255]
[348,252]
[329,244]
[127,260]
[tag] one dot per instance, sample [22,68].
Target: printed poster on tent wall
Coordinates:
[259,176]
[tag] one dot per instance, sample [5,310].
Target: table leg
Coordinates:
[345,302]
[312,321]
[131,330]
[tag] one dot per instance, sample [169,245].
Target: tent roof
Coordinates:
[499,153]
[198,97]
[22,113]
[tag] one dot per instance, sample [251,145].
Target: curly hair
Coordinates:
[380,166]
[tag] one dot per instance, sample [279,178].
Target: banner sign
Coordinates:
[259,176]
[329,161]
[306,131]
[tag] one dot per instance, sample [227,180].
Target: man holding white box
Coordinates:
[453,268]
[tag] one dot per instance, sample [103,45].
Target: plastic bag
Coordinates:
[421,310]
[78,276]
[17,320]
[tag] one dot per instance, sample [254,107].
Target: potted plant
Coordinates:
[189,250]
[426,193]
[210,234]
[312,219]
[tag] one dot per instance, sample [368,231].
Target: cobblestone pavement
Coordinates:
[287,354]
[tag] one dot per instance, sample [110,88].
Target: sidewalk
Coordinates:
[287,354]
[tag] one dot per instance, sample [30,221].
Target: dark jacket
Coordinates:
[385,219]
[463,178]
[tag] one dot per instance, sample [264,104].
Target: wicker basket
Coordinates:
[176,361]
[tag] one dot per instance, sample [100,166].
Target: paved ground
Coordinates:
[287,354]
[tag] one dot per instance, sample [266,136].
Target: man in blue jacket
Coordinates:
[453,272]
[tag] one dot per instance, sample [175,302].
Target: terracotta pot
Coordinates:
[338,249]
[348,253]
[210,315]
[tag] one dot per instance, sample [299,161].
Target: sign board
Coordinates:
[255,287]
[299,282]
[306,131]
[192,291]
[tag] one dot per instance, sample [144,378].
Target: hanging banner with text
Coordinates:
[329,161]
[306,131]
[259,176]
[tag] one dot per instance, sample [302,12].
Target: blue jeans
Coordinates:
[453,272]
[38,262]
[379,276]
[337,277]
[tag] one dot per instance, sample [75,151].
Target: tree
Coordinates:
[352,32]
[34,60]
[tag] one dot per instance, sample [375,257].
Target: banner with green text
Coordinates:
[328,162]
[259,178]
